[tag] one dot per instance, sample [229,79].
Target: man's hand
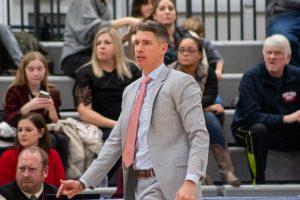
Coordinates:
[291,118]
[69,188]
[187,191]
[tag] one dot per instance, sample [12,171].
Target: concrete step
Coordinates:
[274,191]
[239,55]
[229,88]
[281,166]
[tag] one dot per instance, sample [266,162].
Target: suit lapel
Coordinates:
[158,83]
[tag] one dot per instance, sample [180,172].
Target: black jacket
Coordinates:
[266,100]
[12,191]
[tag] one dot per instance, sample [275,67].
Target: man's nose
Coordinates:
[26,173]
[138,48]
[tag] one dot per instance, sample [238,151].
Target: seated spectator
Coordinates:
[32,132]
[165,13]
[32,169]
[23,97]
[211,55]
[267,115]
[99,85]
[189,61]
[84,19]
[283,17]
[9,48]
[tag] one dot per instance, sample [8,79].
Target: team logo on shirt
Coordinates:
[289,97]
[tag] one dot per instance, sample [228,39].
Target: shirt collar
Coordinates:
[38,194]
[154,74]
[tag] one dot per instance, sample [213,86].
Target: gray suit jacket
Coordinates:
[177,139]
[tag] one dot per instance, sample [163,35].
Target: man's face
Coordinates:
[149,50]
[30,173]
[275,60]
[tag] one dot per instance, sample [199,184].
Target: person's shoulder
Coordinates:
[178,77]
[52,152]
[255,69]
[294,70]
[16,88]
[11,152]
[8,188]
[49,189]
[177,73]
[85,69]
[181,31]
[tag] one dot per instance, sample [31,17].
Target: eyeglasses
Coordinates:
[188,50]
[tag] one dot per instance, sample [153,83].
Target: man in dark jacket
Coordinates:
[32,169]
[267,114]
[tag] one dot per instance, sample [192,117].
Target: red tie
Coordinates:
[128,153]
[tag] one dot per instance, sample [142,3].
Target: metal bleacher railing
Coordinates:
[51,22]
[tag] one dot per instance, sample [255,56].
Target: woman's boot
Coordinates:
[226,169]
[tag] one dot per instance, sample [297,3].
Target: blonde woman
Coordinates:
[99,85]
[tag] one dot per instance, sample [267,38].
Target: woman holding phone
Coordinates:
[24,96]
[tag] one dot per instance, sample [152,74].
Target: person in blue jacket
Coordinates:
[267,115]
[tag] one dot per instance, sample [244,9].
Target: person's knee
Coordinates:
[259,131]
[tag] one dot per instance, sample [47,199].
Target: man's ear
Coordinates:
[45,171]
[287,59]
[164,46]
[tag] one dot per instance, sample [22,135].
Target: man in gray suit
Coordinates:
[171,146]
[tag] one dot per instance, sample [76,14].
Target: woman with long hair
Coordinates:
[99,85]
[24,96]
[31,132]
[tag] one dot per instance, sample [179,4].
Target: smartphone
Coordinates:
[43,94]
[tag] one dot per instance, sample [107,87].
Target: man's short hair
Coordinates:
[280,41]
[156,28]
[41,152]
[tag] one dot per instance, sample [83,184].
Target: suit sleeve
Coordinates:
[107,157]
[188,105]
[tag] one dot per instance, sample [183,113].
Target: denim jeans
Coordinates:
[10,43]
[288,24]
[215,129]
